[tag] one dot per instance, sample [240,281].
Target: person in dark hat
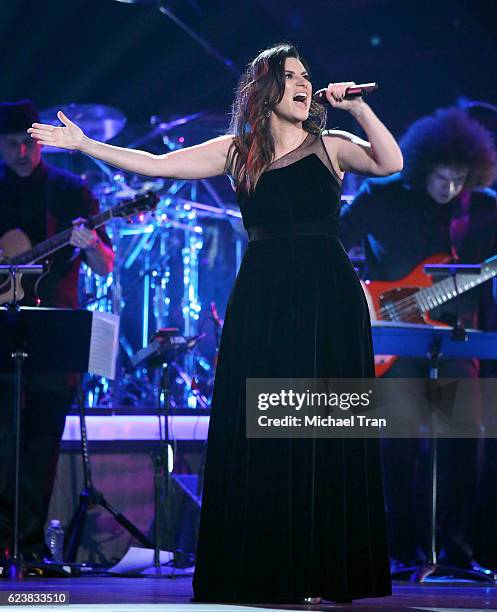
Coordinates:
[41,200]
[18,153]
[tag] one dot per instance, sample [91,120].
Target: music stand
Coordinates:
[418,340]
[26,334]
[18,355]
[90,495]
[36,340]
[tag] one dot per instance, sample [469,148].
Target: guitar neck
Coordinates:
[56,242]
[451,287]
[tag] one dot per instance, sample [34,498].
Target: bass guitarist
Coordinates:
[440,203]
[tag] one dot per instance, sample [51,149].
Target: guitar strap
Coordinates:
[50,206]
[52,220]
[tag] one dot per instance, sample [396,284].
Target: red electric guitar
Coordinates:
[410,299]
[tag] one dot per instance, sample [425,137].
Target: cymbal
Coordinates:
[206,126]
[160,127]
[484,112]
[99,122]
[141,184]
[138,186]
[179,132]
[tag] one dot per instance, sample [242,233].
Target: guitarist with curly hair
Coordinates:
[438,208]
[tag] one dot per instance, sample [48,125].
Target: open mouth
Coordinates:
[300,99]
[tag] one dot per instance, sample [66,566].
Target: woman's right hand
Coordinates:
[68,136]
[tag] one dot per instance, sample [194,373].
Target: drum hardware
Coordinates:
[134,386]
[208,189]
[146,274]
[97,121]
[96,291]
[224,212]
[161,128]
[156,274]
[157,280]
[90,496]
[483,112]
[140,237]
[172,235]
[139,185]
[103,188]
[97,390]
[161,299]
[162,354]
[135,390]
[154,252]
[207,210]
[120,188]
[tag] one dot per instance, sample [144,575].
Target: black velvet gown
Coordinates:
[284,519]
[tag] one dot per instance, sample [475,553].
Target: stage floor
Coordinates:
[112,594]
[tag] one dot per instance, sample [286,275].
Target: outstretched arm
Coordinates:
[201,161]
[378,157]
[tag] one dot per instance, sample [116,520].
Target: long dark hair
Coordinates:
[259,91]
[449,138]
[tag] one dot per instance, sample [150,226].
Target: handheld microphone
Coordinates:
[354,91]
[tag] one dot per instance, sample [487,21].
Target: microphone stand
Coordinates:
[90,496]
[165,346]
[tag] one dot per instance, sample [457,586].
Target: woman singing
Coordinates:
[283,520]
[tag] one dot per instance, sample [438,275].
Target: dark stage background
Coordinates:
[424,53]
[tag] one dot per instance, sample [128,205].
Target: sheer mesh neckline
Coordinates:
[312,144]
[292,151]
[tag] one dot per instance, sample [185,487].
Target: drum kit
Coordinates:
[171,264]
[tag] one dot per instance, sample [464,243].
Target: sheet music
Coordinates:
[104,343]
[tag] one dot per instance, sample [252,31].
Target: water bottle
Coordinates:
[54,539]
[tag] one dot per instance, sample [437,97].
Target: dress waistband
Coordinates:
[310,228]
